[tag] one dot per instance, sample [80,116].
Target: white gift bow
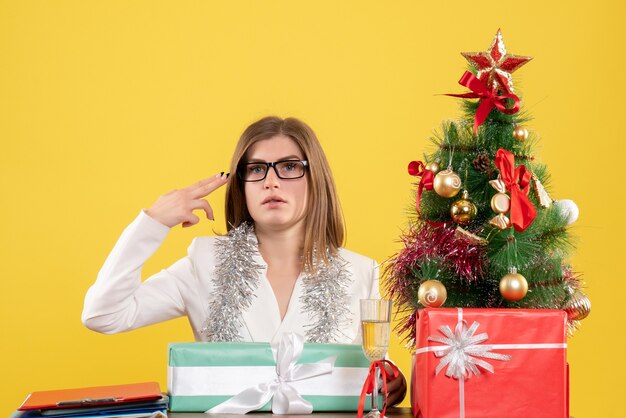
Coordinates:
[285,399]
[462,349]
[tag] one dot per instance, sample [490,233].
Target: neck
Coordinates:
[281,247]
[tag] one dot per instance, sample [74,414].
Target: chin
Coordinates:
[275,222]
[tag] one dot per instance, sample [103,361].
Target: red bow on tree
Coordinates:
[488,98]
[418,169]
[368,387]
[517,181]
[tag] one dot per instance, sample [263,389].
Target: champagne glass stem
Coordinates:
[375,390]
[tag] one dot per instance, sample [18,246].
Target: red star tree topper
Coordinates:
[495,65]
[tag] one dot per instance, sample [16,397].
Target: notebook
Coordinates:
[92,396]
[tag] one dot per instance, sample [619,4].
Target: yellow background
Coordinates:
[105,105]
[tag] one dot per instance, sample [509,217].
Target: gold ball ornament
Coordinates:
[520,133]
[432,294]
[447,183]
[463,211]
[433,166]
[513,286]
[578,306]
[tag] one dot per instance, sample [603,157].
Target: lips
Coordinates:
[273,199]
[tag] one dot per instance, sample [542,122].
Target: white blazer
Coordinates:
[118,301]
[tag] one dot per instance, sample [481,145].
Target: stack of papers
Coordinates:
[136,400]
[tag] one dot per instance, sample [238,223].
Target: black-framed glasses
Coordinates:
[286,170]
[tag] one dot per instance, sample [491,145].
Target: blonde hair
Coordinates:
[324,226]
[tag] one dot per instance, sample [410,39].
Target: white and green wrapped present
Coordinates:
[241,377]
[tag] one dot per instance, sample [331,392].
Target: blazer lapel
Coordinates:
[295,318]
[262,318]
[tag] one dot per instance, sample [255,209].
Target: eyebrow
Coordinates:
[287,158]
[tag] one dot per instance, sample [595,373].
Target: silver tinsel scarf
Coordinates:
[236,279]
[325,294]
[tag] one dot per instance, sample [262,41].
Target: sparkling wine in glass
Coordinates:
[375,339]
[375,323]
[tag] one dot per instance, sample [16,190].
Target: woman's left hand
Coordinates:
[395,386]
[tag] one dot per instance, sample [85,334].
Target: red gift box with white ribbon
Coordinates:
[490,363]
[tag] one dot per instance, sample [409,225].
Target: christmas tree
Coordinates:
[484,231]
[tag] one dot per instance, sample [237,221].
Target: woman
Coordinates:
[280,268]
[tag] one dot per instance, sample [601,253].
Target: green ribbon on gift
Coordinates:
[259,354]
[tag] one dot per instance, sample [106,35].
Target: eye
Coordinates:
[289,166]
[256,168]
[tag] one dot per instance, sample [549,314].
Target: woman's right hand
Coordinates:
[177,206]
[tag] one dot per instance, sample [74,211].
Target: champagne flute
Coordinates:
[375,323]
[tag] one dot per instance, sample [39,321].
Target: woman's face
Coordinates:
[275,203]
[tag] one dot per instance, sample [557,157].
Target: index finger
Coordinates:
[208,185]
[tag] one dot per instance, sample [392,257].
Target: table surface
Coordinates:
[391,413]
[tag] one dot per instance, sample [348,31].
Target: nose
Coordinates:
[271,179]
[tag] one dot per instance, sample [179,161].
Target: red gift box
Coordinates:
[490,363]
